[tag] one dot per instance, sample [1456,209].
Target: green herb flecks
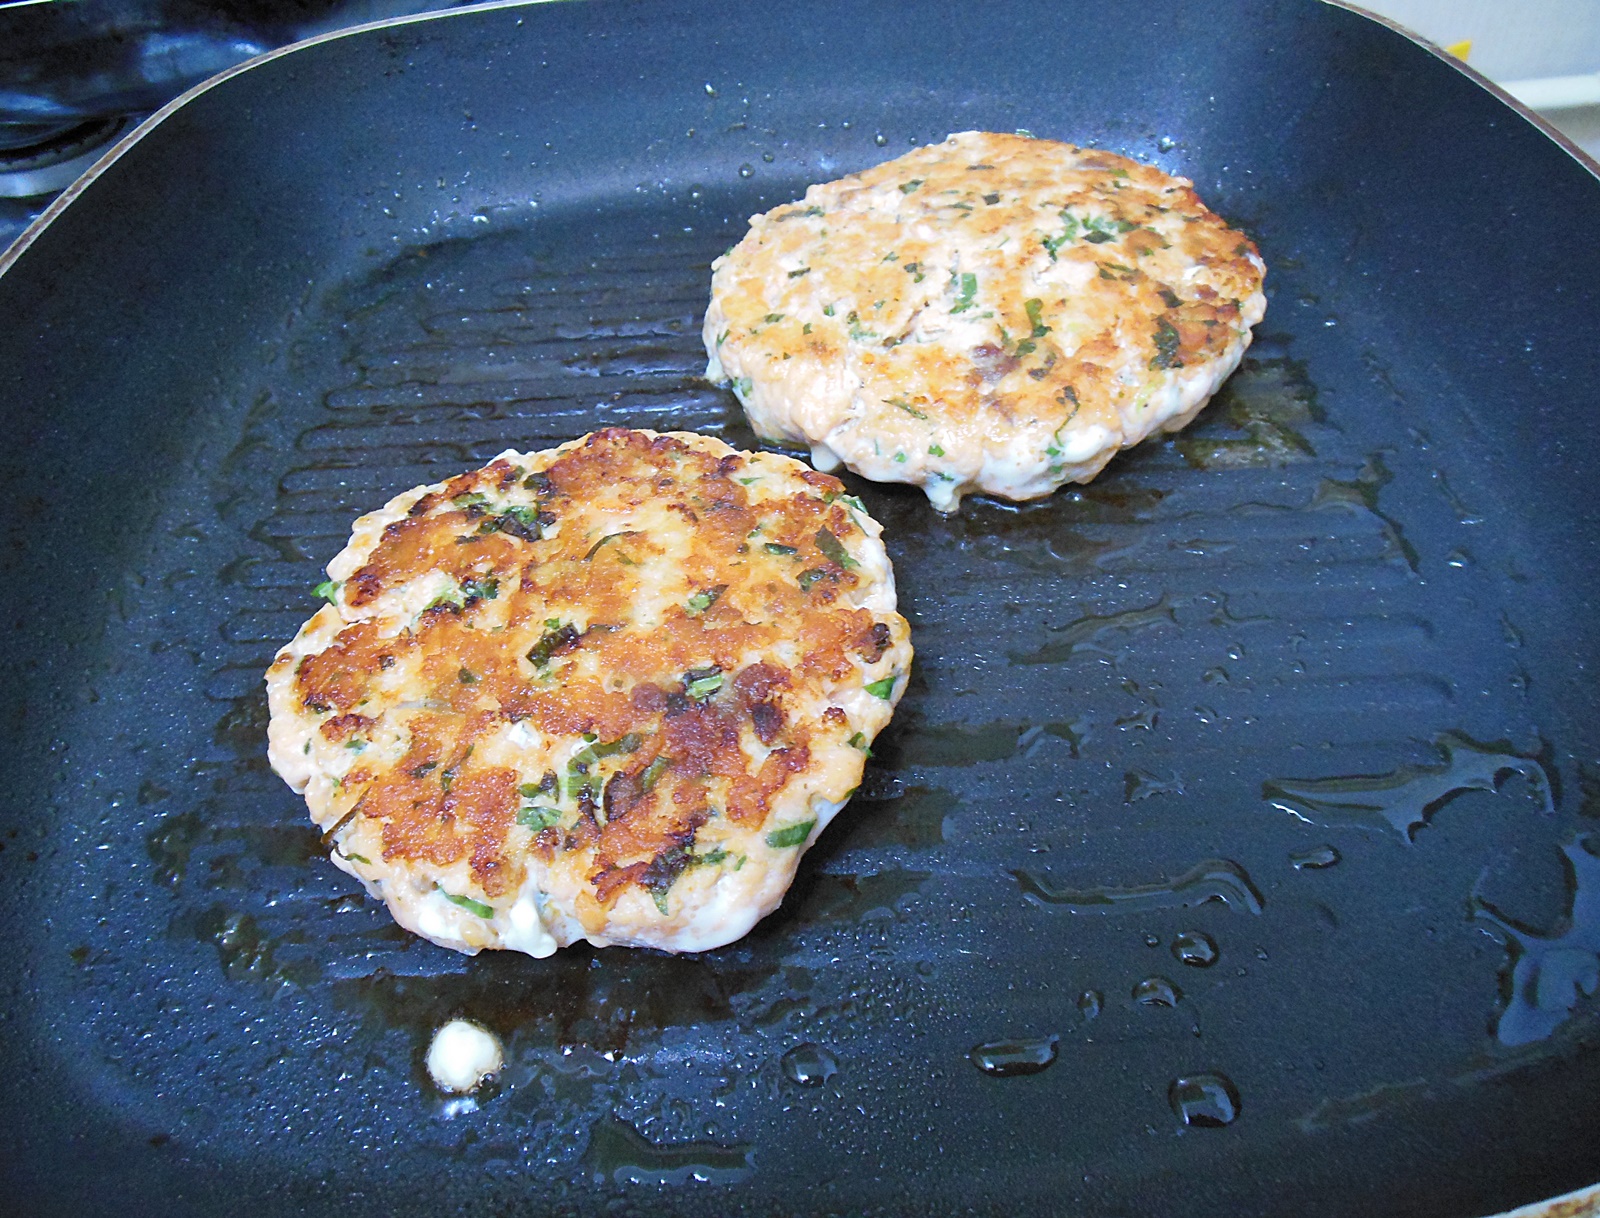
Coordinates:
[559,638]
[791,835]
[969,289]
[481,587]
[468,904]
[858,332]
[907,187]
[833,550]
[773,319]
[741,386]
[1035,307]
[805,270]
[808,579]
[908,408]
[703,600]
[883,688]
[701,683]
[595,549]
[859,741]
[328,590]
[467,677]
[653,772]
[537,817]
[782,551]
[1167,343]
[935,451]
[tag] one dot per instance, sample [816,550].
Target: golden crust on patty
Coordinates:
[609,692]
[994,313]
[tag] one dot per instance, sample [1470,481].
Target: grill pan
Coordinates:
[1313,681]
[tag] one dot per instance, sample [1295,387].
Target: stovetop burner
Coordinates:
[74,78]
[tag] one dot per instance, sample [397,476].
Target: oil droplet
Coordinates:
[1156,992]
[880,139]
[1089,1004]
[810,1065]
[710,89]
[1195,948]
[746,170]
[1004,1058]
[767,157]
[1209,880]
[1209,1101]
[619,1153]
[1314,859]
[1547,975]
[1405,799]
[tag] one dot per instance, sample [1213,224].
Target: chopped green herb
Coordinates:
[356,745]
[791,835]
[1035,307]
[914,269]
[532,790]
[908,408]
[806,329]
[969,289]
[741,385]
[1170,298]
[467,677]
[827,310]
[359,858]
[481,587]
[701,683]
[833,549]
[907,187]
[709,859]
[891,256]
[595,549]
[653,772]
[859,741]
[468,904]
[469,499]
[773,318]
[722,338]
[808,579]
[1167,344]
[556,639]
[704,599]
[900,458]
[805,270]
[536,817]
[858,332]
[935,451]
[328,590]
[991,199]
[882,689]
[452,599]
[773,547]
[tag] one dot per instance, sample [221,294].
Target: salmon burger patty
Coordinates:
[610,691]
[995,313]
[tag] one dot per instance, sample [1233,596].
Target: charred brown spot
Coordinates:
[342,727]
[768,721]
[876,643]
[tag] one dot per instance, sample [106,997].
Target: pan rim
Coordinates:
[10,254]
[1472,74]
[1580,1203]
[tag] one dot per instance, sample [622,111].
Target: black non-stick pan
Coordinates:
[1255,782]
